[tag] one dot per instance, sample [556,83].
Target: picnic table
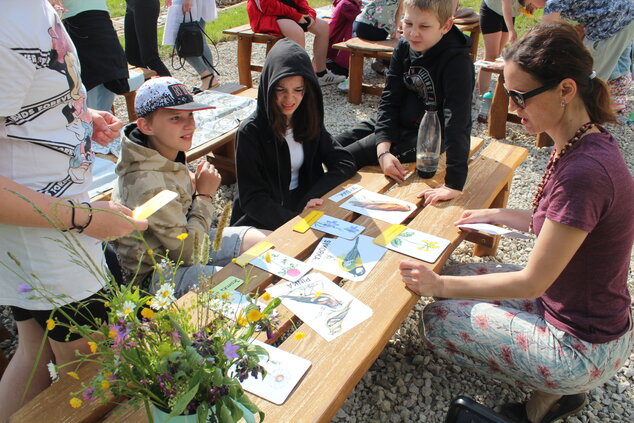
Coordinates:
[337,366]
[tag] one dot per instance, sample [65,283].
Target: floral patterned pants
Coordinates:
[509,341]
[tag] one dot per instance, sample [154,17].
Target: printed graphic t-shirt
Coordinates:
[45,145]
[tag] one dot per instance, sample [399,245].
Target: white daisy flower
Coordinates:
[163,298]
[52,371]
[128,307]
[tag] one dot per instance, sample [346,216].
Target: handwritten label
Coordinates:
[389,234]
[303,225]
[253,252]
[345,193]
[230,284]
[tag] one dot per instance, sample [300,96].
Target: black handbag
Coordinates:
[190,38]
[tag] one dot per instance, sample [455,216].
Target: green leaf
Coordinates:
[396,242]
[225,414]
[203,412]
[248,414]
[182,402]
[275,302]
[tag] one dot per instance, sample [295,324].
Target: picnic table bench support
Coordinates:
[244,60]
[487,245]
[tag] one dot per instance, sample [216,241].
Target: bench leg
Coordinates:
[475,38]
[543,140]
[244,61]
[489,244]
[498,111]
[356,77]
[129,104]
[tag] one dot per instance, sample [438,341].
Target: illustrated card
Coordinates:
[321,304]
[345,193]
[379,206]
[419,245]
[337,227]
[234,305]
[283,372]
[281,265]
[350,259]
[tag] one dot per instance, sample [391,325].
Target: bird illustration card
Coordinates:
[419,245]
[337,227]
[379,206]
[321,304]
[281,265]
[350,259]
[283,372]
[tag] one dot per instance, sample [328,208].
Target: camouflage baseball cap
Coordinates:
[165,92]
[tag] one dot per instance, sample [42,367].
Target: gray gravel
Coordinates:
[408,383]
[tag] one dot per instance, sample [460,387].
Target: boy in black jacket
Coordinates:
[430,65]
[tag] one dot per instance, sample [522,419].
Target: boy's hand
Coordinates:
[105,126]
[207,178]
[314,202]
[392,167]
[440,193]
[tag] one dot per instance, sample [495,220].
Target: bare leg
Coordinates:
[291,30]
[492,50]
[15,378]
[320,44]
[252,237]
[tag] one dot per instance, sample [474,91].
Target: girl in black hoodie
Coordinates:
[281,149]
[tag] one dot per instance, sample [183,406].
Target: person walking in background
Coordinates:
[202,11]
[141,44]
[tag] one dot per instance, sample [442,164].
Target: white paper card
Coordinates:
[286,267]
[350,259]
[321,304]
[337,227]
[493,230]
[379,206]
[283,372]
[345,192]
[419,245]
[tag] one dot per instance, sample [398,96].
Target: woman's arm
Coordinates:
[516,219]
[554,248]
[507,13]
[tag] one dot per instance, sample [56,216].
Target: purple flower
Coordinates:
[87,395]
[230,350]
[176,337]
[121,333]
[23,288]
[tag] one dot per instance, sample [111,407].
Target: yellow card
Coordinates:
[388,235]
[152,205]
[304,224]
[253,252]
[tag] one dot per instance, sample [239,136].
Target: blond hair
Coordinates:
[443,9]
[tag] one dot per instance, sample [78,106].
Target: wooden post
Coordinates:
[356,77]
[244,61]
[499,110]
[488,247]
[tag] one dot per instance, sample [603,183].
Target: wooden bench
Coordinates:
[337,366]
[131,96]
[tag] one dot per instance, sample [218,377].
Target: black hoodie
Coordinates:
[448,70]
[263,159]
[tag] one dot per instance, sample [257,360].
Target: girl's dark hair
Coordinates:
[306,121]
[553,52]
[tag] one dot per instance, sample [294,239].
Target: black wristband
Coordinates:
[378,158]
[74,226]
[89,217]
[203,195]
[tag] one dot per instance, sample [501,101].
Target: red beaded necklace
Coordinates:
[552,164]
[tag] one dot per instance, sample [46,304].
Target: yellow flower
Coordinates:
[266,296]
[299,335]
[105,384]
[73,375]
[318,294]
[148,302]
[254,315]
[242,322]
[267,257]
[182,236]
[107,375]
[93,346]
[75,402]
[150,251]
[147,313]
[233,260]
[224,296]
[50,324]
[107,304]
[112,334]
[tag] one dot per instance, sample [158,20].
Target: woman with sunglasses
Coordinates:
[562,324]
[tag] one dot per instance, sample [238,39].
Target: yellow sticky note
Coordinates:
[304,224]
[152,205]
[253,252]
[389,234]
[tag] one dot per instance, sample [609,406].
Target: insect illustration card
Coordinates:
[321,304]
[419,245]
[379,206]
[337,227]
[350,259]
[281,265]
[283,372]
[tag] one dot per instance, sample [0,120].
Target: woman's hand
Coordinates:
[110,220]
[478,216]
[105,126]
[187,6]
[314,202]
[207,178]
[392,167]
[420,279]
[512,36]
[440,193]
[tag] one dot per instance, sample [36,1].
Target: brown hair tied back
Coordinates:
[553,52]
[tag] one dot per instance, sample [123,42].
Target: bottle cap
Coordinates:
[488,95]
[431,106]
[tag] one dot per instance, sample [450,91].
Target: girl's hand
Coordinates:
[512,36]
[110,220]
[477,216]
[314,202]
[420,279]
[440,193]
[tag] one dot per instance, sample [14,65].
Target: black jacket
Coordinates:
[263,160]
[446,75]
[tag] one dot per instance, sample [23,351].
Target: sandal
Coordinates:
[214,81]
[566,406]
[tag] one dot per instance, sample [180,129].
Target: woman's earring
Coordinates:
[563,103]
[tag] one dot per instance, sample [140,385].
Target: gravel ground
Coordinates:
[408,383]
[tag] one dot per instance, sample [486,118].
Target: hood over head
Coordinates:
[286,58]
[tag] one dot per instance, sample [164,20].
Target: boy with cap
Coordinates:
[153,159]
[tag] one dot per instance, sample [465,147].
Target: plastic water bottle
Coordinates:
[485,106]
[428,143]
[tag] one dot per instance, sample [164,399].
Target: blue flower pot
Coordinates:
[161,416]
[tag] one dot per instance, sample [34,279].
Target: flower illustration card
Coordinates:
[337,227]
[233,306]
[419,245]
[281,265]
[350,259]
[283,372]
[321,304]
[379,206]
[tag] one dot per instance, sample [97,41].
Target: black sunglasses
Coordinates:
[520,98]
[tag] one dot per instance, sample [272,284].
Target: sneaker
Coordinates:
[378,67]
[343,86]
[330,78]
